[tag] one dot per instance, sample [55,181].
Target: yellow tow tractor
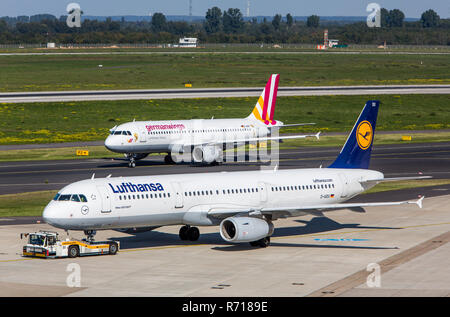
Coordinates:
[46,244]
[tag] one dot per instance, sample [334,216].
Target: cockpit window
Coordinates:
[75,198]
[83,198]
[120,133]
[64,197]
[57,196]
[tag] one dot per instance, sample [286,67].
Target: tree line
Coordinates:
[227,26]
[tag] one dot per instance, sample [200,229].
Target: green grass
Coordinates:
[165,70]
[25,204]
[33,203]
[88,121]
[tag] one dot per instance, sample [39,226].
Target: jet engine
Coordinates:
[206,154]
[245,229]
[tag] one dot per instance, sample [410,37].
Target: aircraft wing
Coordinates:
[261,139]
[222,213]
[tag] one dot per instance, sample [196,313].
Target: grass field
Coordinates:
[166,70]
[89,121]
[33,203]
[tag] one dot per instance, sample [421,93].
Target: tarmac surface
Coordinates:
[393,160]
[139,94]
[336,255]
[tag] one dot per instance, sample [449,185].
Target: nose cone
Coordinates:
[52,216]
[109,143]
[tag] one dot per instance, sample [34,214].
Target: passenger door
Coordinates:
[105,199]
[345,185]
[262,188]
[178,195]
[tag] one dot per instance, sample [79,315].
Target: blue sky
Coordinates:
[411,8]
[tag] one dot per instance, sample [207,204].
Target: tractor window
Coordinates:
[64,197]
[83,199]
[37,239]
[51,240]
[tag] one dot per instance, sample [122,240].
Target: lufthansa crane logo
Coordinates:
[364,135]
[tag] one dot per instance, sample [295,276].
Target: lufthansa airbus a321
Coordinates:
[243,204]
[202,139]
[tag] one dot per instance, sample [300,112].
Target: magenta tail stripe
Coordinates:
[266,98]
[274,97]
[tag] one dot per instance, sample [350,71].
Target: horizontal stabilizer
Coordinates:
[290,125]
[393,179]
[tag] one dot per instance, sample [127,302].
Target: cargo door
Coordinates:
[105,199]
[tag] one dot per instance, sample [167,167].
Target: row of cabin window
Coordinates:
[144,196]
[224,191]
[302,187]
[198,131]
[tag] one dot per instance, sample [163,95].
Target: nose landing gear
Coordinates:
[90,234]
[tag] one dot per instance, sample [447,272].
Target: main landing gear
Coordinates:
[263,243]
[168,159]
[189,233]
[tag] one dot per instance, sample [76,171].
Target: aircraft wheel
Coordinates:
[264,242]
[168,159]
[193,233]
[132,164]
[184,233]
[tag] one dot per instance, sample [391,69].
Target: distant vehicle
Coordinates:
[203,138]
[243,204]
[46,244]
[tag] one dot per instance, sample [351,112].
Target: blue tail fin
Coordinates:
[357,149]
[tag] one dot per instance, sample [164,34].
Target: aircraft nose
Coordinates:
[109,143]
[52,216]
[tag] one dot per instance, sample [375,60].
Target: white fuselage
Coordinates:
[165,136]
[142,201]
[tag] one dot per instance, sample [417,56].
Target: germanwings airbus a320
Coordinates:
[243,204]
[204,139]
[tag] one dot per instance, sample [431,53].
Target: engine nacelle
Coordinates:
[245,229]
[206,154]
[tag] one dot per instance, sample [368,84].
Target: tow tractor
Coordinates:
[46,244]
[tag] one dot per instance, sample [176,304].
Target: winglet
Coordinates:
[93,176]
[419,201]
[317,135]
